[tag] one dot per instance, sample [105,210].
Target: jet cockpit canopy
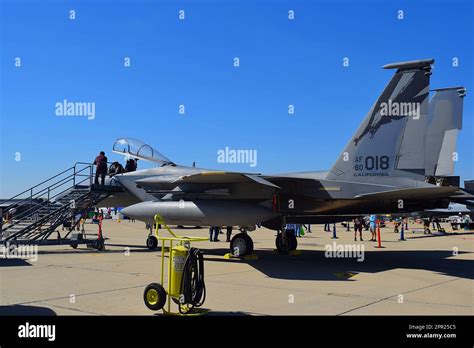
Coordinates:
[137,149]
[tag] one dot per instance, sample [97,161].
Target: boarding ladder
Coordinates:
[32,216]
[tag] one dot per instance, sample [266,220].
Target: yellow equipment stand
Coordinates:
[155,294]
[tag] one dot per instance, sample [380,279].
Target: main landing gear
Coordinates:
[286,241]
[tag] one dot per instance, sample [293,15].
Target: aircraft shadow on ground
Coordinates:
[314,265]
[213,313]
[84,250]
[14,262]
[26,310]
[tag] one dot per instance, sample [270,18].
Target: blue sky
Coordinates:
[190,62]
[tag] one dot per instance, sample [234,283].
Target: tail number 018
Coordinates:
[372,163]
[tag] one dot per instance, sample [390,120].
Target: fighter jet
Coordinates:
[383,169]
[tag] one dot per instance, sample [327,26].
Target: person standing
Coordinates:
[358,227]
[405,222]
[101,168]
[373,227]
[297,228]
[213,233]
[426,226]
[229,233]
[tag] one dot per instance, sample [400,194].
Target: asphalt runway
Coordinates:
[424,275]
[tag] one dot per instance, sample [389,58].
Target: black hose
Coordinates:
[193,289]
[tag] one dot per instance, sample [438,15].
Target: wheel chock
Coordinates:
[250,257]
[345,275]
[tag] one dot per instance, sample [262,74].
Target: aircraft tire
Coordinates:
[241,244]
[280,245]
[292,243]
[151,242]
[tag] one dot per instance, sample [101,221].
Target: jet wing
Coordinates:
[223,178]
[158,180]
[411,193]
[204,178]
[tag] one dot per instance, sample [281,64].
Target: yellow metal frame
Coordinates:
[182,240]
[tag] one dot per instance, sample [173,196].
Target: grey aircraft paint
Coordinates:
[444,123]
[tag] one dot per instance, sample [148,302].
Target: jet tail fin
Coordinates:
[444,123]
[377,148]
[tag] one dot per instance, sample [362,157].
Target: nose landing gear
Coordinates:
[151,242]
[241,245]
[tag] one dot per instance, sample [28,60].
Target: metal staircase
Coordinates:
[33,216]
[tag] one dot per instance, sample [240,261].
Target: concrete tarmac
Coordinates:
[424,275]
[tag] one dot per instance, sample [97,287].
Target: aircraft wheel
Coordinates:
[241,244]
[292,243]
[154,296]
[280,244]
[74,245]
[151,242]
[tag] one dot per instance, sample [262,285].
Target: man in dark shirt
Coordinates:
[101,168]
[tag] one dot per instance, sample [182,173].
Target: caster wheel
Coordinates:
[100,245]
